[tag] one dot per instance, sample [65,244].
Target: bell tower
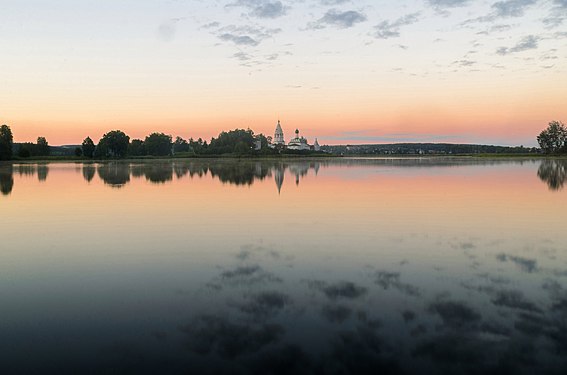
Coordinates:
[278,135]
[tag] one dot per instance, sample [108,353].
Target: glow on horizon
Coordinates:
[413,71]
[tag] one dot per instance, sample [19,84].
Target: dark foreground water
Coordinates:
[342,266]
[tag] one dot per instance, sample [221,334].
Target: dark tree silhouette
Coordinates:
[42,147]
[158,144]
[237,141]
[136,148]
[113,144]
[88,147]
[6,142]
[180,145]
[554,138]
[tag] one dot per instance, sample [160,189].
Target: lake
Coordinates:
[431,265]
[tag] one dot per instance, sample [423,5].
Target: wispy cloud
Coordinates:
[242,40]
[464,63]
[262,8]
[242,56]
[391,29]
[526,43]
[334,2]
[557,14]
[448,3]
[511,8]
[442,6]
[503,9]
[342,20]
[246,35]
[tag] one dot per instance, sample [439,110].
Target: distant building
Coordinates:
[278,136]
[298,143]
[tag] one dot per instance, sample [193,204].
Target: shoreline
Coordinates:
[66,159]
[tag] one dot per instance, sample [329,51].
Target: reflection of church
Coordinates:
[299,170]
[297,143]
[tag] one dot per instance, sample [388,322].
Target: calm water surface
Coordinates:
[341,266]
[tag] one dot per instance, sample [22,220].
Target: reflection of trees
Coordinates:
[88,172]
[245,173]
[114,174]
[26,169]
[239,173]
[6,179]
[155,172]
[554,173]
[180,169]
[31,169]
[158,172]
[137,170]
[198,169]
[42,171]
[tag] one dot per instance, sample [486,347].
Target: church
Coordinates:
[297,143]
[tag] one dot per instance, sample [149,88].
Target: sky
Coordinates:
[341,71]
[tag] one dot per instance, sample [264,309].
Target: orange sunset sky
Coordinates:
[343,71]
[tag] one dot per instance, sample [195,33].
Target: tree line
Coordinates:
[116,144]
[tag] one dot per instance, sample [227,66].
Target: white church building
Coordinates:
[297,143]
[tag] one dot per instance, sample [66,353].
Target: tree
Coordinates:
[78,151]
[136,148]
[158,144]
[241,148]
[42,147]
[88,147]
[6,142]
[113,144]
[180,145]
[26,149]
[554,138]
[197,146]
[238,141]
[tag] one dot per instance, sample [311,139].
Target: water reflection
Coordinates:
[159,174]
[495,330]
[245,173]
[89,171]
[554,173]
[239,173]
[26,169]
[117,174]
[114,174]
[42,171]
[373,266]
[6,179]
